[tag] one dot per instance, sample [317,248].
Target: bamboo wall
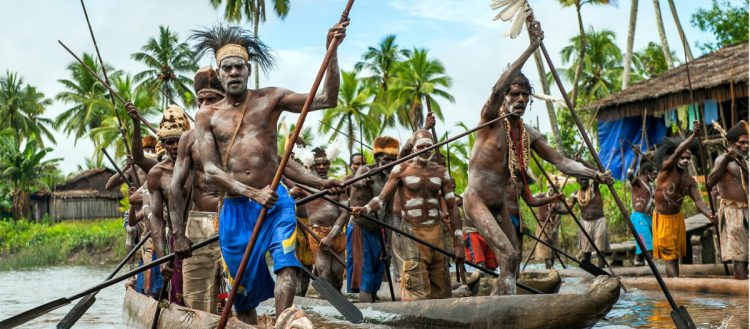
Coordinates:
[84,208]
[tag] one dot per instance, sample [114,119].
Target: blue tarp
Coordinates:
[615,132]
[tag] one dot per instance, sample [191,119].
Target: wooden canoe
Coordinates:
[686,270]
[730,287]
[547,281]
[581,310]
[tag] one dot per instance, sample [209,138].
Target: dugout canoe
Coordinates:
[719,286]
[581,310]
[686,270]
[546,281]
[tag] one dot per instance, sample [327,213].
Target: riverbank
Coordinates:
[26,244]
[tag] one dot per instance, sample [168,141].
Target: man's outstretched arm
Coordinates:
[569,167]
[178,199]
[673,159]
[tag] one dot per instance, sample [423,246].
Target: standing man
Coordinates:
[642,186]
[499,157]
[201,271]
[421,184]
[589,199]
[551,213]
[173,125]
[355,161]
[326,221]
[364,264]
[732,180]
[236,140]
[673,183]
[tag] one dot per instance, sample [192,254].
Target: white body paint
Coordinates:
[436,180]
[432,212]
[414,212]
[414,202]
[412,179]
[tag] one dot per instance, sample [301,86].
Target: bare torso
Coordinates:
[731,184]
[205,197]
[642,195]
[362,192]
[595,207]
[419,191]
[671,188]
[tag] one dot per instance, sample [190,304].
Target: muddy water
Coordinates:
[22,290]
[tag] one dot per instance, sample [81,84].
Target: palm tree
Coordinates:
[108,132]
[21,107]
[685,44]
[629,49]
[254,11]
[350,113]
[582,39]
[662,35]
[550,107]
[24,167]
[167,60]
[602,64]
[650,61]
[87,97]
[419,79]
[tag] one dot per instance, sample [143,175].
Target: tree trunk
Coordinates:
[684,40]
[581,54]
[256,23]
[631,38]
[662,35]
[550,107]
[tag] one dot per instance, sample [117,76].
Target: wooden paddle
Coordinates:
[85,303]
[159,299]
[33,313]
[277,179]
[584,264]
[328,292]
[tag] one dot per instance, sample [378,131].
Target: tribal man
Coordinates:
[589,198]
[236,141]
[500,154]
[326,221]
[364,248]
[549,220]
[730,175]
[201,271]
[673,183]
[173,125]
[420,184]
[642,186]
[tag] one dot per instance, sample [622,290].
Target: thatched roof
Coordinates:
[713,76]
[85,194]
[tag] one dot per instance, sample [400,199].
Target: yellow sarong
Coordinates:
[303,251]
[669,236]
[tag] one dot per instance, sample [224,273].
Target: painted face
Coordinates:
[207,98]
[742,145]
[149,150]
[233,73]
[170,145]
[516,100]
[357,161]
[383,159]
[652,175]
[684,160]
[321,167]
[424,157]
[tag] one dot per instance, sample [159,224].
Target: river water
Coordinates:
[26,289]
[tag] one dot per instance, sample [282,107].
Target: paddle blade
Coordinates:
[592,269]
[326,290]
[685,316]
[33,313]
[77,312]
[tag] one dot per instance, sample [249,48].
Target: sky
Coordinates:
[459,33]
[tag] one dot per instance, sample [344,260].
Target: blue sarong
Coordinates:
[156,279]
[364,268]
[516,222]
[642,223]
[277,235]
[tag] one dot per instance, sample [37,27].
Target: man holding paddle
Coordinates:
[236,140]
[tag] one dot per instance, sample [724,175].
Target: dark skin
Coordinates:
[357,161]
[550,212]
[137,146]
[514,206]
[592,210]
[641,185]
[728,177]
[673,183]
[158,182]
[323,213]
[489,176]
[250,174]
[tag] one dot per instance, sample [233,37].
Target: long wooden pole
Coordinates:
[279,172]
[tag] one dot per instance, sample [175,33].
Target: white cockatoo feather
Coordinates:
[333,150]
[517,25]
[497,4]
[509,11]
[304,155]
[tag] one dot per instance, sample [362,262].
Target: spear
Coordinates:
[349,311]
[111,91]
[111,96]
[340,132]
[184,109]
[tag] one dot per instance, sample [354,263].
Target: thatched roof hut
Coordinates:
[720,76]
[82,196]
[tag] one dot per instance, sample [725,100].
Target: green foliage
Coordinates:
[650,62]
[22,107]
[26,244]
[726,20]
[602,64]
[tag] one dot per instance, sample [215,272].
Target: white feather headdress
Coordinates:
[510,9]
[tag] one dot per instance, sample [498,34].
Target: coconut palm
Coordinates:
[254,11]
[419,79]
[351,112]
[87,97]
[21,107]
[662,35]
[650,61]
[602,64]
[108,133]
[582,38]
[22,164]
[167,61]
[284,131]
[627,65]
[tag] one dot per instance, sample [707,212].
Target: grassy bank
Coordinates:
[92,242]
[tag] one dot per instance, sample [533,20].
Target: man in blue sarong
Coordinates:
[643,205]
